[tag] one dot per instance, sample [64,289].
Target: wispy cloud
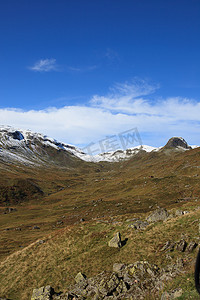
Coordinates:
[111,55]
[83,69]
[126,106]
[45,65]
[126,97]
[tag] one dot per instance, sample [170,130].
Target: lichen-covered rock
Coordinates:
[43,293]
[80,277]
[81,283]
[106,287]
[115,241]
[160,214]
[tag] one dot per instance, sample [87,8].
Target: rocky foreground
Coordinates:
[140,280]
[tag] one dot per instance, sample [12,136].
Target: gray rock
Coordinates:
[10,210]
[139,225]
[118,267]
[160,214]
[41,242]
[179,212]
[59,223]
[176,293]
[131,220]
[107,286]
[43,293]
[191,246]
[18,229]
[122,287]
[181,246]
[168,246]
[115,241]
[36,227]
[80,277]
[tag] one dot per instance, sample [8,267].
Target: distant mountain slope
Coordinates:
[28,148]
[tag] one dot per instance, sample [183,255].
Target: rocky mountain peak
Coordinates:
[176,142]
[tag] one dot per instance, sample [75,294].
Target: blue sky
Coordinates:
[82,70]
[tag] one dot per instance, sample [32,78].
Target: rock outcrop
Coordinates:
[181,246]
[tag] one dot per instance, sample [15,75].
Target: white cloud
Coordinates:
[127,97]
[44,65]
[127,106]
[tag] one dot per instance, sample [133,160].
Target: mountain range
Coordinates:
[29,148]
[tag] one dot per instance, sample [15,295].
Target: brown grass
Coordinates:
[116,193]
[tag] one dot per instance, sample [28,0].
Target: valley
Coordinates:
[59,212]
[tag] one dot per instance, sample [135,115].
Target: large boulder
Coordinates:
[160,214]
[115,241]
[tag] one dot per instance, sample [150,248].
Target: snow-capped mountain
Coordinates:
[29,148]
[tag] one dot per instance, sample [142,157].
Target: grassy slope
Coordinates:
[109,192]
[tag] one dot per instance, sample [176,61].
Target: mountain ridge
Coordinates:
[27,147]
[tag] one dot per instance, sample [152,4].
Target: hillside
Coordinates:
[57,217]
